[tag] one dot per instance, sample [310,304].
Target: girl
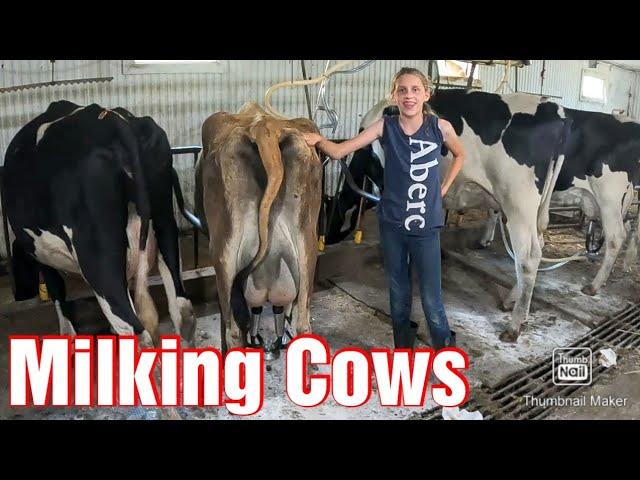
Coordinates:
[410,211]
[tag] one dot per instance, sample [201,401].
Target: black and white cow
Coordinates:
[601,167]
[514,153]
[89,190]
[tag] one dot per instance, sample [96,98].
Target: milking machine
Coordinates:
[321,106]
[594,239]
[282,334]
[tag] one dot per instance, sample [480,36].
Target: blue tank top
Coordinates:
[411,199]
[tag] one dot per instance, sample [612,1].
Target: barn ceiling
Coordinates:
[633,64]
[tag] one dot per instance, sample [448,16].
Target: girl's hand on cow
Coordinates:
[312,138]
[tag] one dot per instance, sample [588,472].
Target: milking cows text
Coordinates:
[89,191]
[514,147]
[258,185]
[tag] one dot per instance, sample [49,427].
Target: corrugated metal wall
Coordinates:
[181,102]
[562,79]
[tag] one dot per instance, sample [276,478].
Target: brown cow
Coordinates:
[258,185]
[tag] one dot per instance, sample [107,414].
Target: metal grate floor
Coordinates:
[506,401]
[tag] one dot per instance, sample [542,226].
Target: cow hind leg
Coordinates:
[240,308]
[180,307]
[632,248]
[614,234]
[24,269]
[490,229]
[65,310]
[613,194]
[105,272]
[509,301]
[144,306]
[230,335]
[301,313]
[117,306]
[632,251]
[523,232]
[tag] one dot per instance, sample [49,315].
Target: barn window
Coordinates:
[172,66]
[456,72]
[593,87]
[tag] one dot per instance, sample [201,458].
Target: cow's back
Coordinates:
[504,136]
[52,179]
[600,143]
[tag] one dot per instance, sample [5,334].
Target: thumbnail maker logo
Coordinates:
[572,366]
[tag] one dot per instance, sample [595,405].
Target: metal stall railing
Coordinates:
[195,151]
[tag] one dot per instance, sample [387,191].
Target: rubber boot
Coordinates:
[451,341]
[405,337]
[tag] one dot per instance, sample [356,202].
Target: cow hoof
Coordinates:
[188,329]
[509,336]
[589,290]
[234,341]
[507,306]
[155,337]
[145,340]
[187,320]
[480,245]
[303,329]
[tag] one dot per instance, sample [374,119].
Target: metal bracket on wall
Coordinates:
[322,104]
[54,82]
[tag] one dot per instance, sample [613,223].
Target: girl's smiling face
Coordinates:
[410,95]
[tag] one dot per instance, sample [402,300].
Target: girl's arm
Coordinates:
[453,143]
[340,150]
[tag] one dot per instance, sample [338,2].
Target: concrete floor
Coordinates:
[350,308]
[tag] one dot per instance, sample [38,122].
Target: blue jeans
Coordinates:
[403,252]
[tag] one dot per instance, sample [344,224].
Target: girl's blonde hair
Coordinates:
[426,82]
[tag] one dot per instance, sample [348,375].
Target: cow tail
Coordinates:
[266,135]
[141,196]
[555,166]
